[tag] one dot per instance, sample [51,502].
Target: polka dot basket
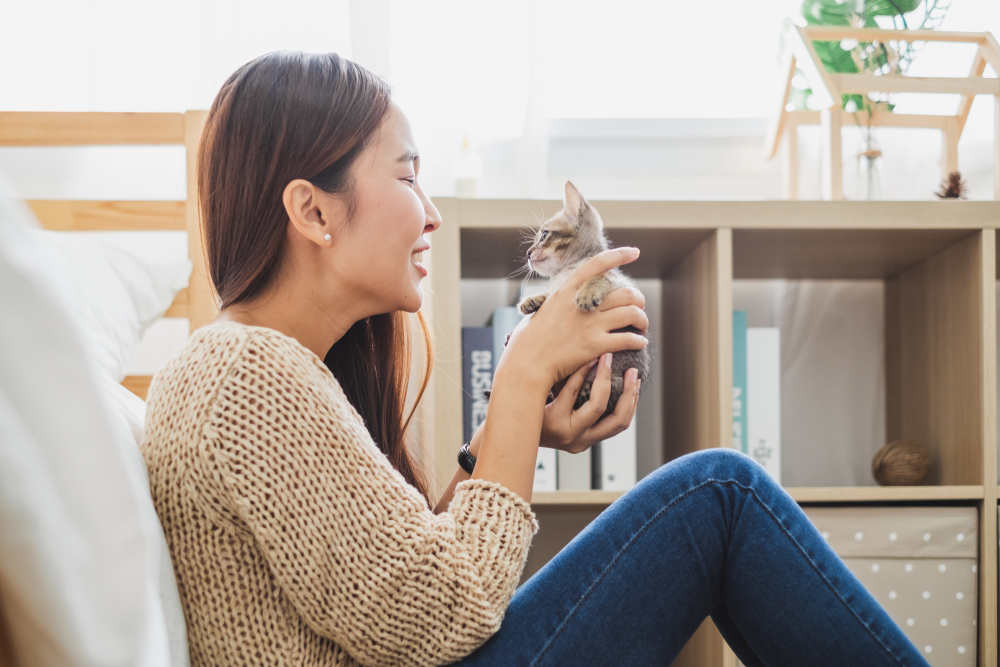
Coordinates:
[920,564]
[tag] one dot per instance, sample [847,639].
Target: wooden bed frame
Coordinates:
[196,303]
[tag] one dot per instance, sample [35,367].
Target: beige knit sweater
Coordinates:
[294,540]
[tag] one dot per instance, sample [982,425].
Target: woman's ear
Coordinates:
[312,212]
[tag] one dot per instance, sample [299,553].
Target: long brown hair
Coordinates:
[289,115]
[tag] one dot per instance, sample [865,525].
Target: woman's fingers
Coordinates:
[626,316]
[621,418]
[598,264]
[571,389]
[623,296]
[600,391]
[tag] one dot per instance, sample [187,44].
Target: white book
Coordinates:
[545,470]
[618,460]
[764,398]
[574,471]
[505,320]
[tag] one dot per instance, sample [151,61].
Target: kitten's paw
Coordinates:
[587,300]
[531,304]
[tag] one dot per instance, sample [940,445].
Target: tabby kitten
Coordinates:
[562,244]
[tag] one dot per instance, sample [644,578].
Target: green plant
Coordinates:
[852,57]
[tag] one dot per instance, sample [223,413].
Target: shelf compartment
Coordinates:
[933,322]
[859,254]
[498,252]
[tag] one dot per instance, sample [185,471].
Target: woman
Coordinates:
[302,532]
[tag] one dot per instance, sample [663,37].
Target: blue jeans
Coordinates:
[709,533]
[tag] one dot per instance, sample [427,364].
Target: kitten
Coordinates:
[562,244]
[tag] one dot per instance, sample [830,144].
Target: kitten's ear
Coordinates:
[574,203]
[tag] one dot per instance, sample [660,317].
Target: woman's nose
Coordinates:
[433,216]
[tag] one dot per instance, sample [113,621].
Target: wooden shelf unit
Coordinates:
[938,262]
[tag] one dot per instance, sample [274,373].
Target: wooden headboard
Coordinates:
[196,303]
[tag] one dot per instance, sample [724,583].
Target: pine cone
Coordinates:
[952,187]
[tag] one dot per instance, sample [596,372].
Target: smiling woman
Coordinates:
[259,171]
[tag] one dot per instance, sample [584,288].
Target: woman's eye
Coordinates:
[411,181]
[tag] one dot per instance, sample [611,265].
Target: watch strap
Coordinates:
[466,459]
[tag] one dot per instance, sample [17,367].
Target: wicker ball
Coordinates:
[901,463]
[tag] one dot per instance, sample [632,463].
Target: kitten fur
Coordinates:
[563,243]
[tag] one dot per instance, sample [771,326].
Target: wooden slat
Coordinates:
[30,128]
[776,124]
[987,521]
[201,298]
[846,494]
[696,327]
[837,33]
[180,306]
[832,157]
[870,83]
[801,494]
[930,121]
[443,300]
[576,497]
[790,161]
[706,215]
[138,384]
[824,89]
[965,106]
[79,216]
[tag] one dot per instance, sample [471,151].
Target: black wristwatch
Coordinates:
[466,459]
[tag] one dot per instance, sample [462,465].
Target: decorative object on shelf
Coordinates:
[952,187]
[901,463]
[868,172]
[831,89]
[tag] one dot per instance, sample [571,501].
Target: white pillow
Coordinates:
[85,576]
[120,295]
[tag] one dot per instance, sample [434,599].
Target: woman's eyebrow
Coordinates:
[408,156]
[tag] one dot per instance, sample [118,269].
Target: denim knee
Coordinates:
[724,463]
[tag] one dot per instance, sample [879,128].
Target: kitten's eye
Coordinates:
[544,234]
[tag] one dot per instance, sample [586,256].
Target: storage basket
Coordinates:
[920,563]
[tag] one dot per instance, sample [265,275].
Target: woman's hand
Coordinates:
[559,338]
[576,431]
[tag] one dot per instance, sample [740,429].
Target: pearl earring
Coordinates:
[326,238]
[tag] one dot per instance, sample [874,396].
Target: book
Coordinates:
[740,380]
[764,398]
[546,474]
[477,377]
[504,320]
[613,461]
[573,471]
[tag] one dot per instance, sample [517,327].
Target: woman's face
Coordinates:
[378,252]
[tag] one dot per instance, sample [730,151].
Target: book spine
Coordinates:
[477,376]
[504,321]
[595,466]
[545,470]
[574,471]
[740,380]
[764,398]
[618,460]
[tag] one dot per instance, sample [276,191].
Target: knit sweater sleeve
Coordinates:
[355,548]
